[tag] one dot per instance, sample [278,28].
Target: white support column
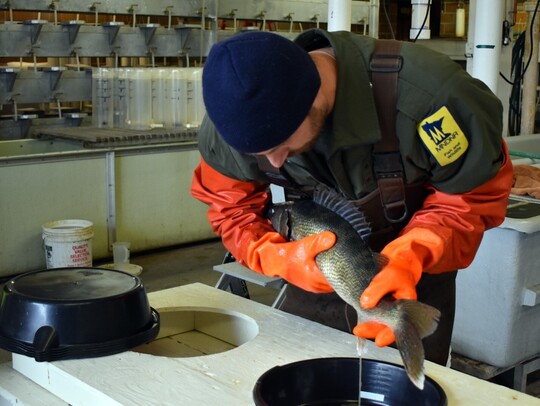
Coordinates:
[488,23]
[339,15]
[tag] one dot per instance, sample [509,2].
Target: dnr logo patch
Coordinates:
[443,137]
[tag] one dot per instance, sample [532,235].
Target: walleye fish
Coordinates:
[350,265]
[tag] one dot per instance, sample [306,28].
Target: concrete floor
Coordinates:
[194,263]
[188,264]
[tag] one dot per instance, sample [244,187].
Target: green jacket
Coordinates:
[456,149]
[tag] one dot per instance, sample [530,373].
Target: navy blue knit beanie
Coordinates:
[258,87]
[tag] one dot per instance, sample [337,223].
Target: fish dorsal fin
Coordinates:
[344,208]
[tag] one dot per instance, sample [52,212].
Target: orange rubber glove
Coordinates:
[408,255]
[293,261]
[236,213]
[443,236]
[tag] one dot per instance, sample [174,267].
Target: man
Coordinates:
[304,113]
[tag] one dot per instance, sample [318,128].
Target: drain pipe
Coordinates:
[374,18]
[530,79]
[339,15]
[419,20]
[488,24]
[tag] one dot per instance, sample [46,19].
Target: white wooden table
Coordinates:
[225,378]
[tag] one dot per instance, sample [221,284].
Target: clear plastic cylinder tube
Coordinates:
[102,97]
[160,88]
[177,97]
[121,99]
[195,103]
[140,98]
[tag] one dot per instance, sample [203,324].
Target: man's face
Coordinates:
[300,141]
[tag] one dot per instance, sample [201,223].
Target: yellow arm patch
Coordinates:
[443,137]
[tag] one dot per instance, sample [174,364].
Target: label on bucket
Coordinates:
[72,254]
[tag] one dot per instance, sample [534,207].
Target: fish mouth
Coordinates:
[280,216]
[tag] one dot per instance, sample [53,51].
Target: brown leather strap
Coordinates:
[385,65]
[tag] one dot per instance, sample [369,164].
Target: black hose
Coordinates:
[517,71]
[424,22]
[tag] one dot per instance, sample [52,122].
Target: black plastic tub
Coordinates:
[67,313]
[334,381]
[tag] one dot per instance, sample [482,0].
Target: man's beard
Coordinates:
[316,119]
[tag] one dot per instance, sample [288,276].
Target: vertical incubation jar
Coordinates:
[139,98]
[177,100]
[160,112]
[102,97]
[121,99]
[195,103]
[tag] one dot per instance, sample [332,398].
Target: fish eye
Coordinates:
[270,211]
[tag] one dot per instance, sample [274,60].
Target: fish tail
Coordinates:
[418,320]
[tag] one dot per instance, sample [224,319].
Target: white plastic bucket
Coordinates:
[68,243]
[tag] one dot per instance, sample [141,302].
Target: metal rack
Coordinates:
[271,10]
[48,47]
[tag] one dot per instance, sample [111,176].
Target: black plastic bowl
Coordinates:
[67,313]
[334,381]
